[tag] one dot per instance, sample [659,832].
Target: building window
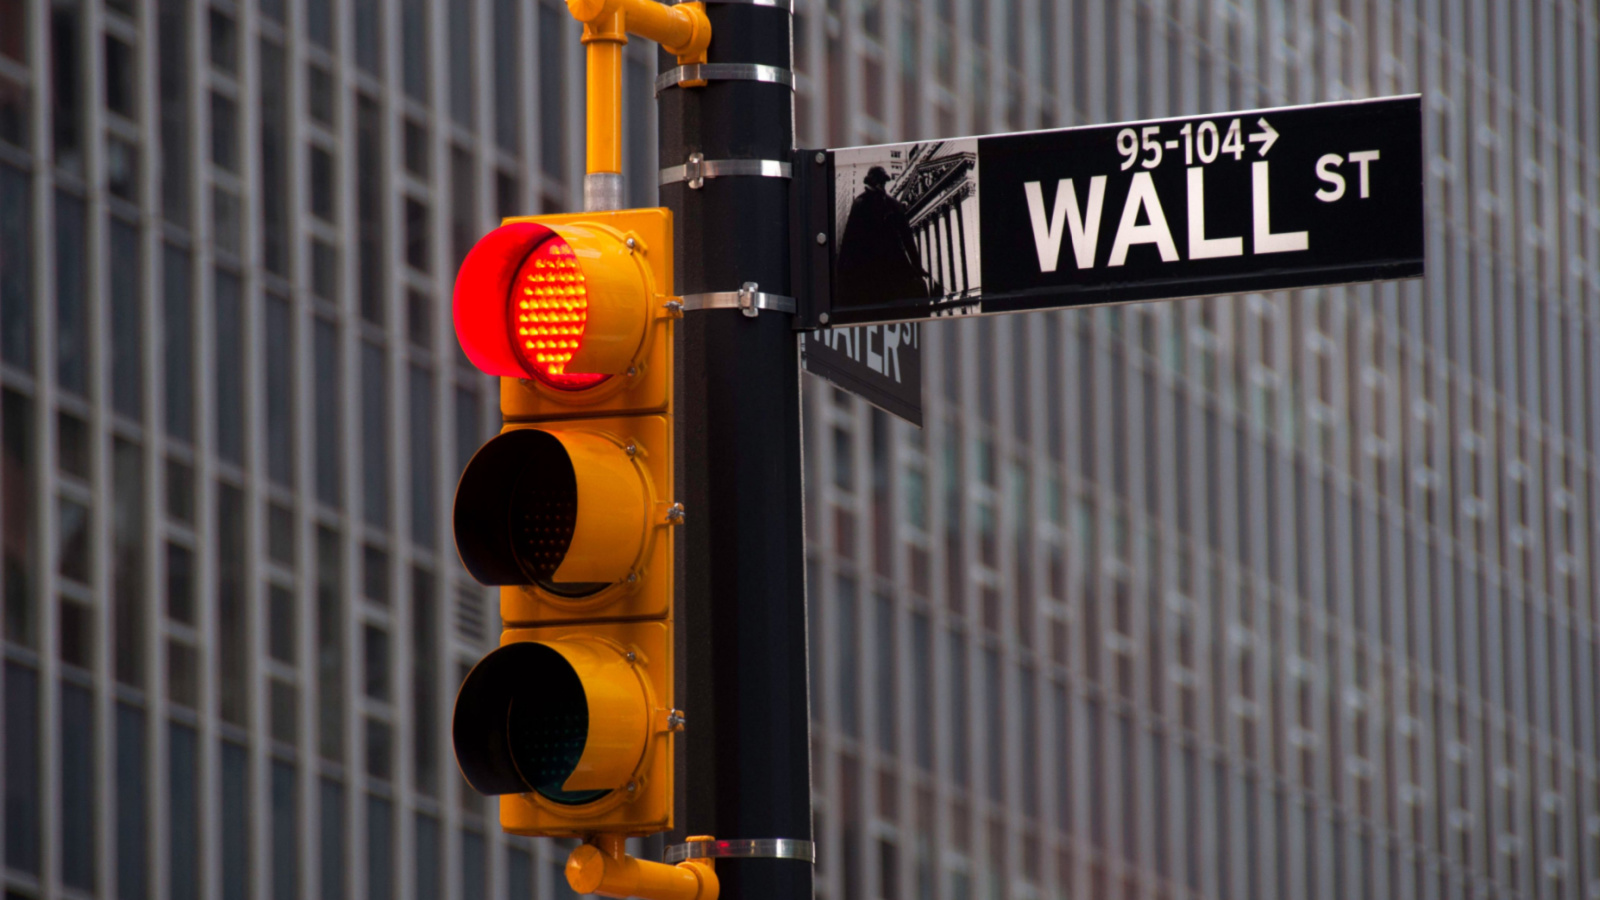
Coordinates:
[368,29]
[183,812]
[475,868]
[375,434]
[67,87]
[848,656]
[328,413]
[553,38]
[462,60]
[72,293]
[424,680]
[132,839]
[281,418]
[16,264]
[285,832]
[127,561]
[331,835]
[414,46]
[177,344]
[78,807]
[274,162]
[380,849]
[228,344]
[17,492]
[886,657]
[235,835]
[23,803]
[330,647]
[956,684]
[369,204]
[417,231]
[233,604]
[507,92]
[428,864]
[421,421]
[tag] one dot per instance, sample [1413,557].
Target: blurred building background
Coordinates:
[1274,596]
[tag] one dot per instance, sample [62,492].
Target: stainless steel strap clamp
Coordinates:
[704,72]
[760,848]
[747,299]
[776,4]
[698,169]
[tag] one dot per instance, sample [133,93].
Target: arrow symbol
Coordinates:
[1267,136]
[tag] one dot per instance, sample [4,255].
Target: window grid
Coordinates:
[1233,550]
[156,672]
[1349,522]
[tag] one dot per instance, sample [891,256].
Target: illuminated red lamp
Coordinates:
[565,307]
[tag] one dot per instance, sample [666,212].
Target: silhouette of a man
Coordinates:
[878,257]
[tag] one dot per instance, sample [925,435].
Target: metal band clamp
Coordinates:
[702,72]
[698,169]
[758,848]
[779,4]
[747,299]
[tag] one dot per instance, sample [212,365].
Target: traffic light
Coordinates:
[571,511]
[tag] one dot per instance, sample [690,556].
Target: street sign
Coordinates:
[1226,203]
[882,363]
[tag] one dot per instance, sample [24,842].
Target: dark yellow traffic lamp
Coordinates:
[571,511]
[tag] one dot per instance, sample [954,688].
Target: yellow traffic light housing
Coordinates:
[575,518]
[571,725]
[571,511]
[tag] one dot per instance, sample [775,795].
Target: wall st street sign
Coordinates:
[1217,204]
[1227,203]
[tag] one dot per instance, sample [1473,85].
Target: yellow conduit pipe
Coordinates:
[605,39]
[682,30]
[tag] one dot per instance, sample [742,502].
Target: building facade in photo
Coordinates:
[1270,596]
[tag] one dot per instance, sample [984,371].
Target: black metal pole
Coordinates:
[744,761]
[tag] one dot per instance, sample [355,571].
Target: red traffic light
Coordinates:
[522,306]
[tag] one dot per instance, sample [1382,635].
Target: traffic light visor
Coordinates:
[565,305]
[567,511]
[568,719]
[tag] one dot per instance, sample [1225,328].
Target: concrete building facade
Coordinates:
[1269,596]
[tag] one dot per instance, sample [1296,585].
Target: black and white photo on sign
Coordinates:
[907,225]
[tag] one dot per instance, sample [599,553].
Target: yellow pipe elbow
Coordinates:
[682,30]
[603,867]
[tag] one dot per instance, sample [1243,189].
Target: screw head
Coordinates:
[821,157]
[632,449]
[632,244]
[822,318]
[632,656]
[822,238]
[632,786]
[632,371]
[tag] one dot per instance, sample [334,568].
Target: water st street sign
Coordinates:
[881,363]
[1226,203]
